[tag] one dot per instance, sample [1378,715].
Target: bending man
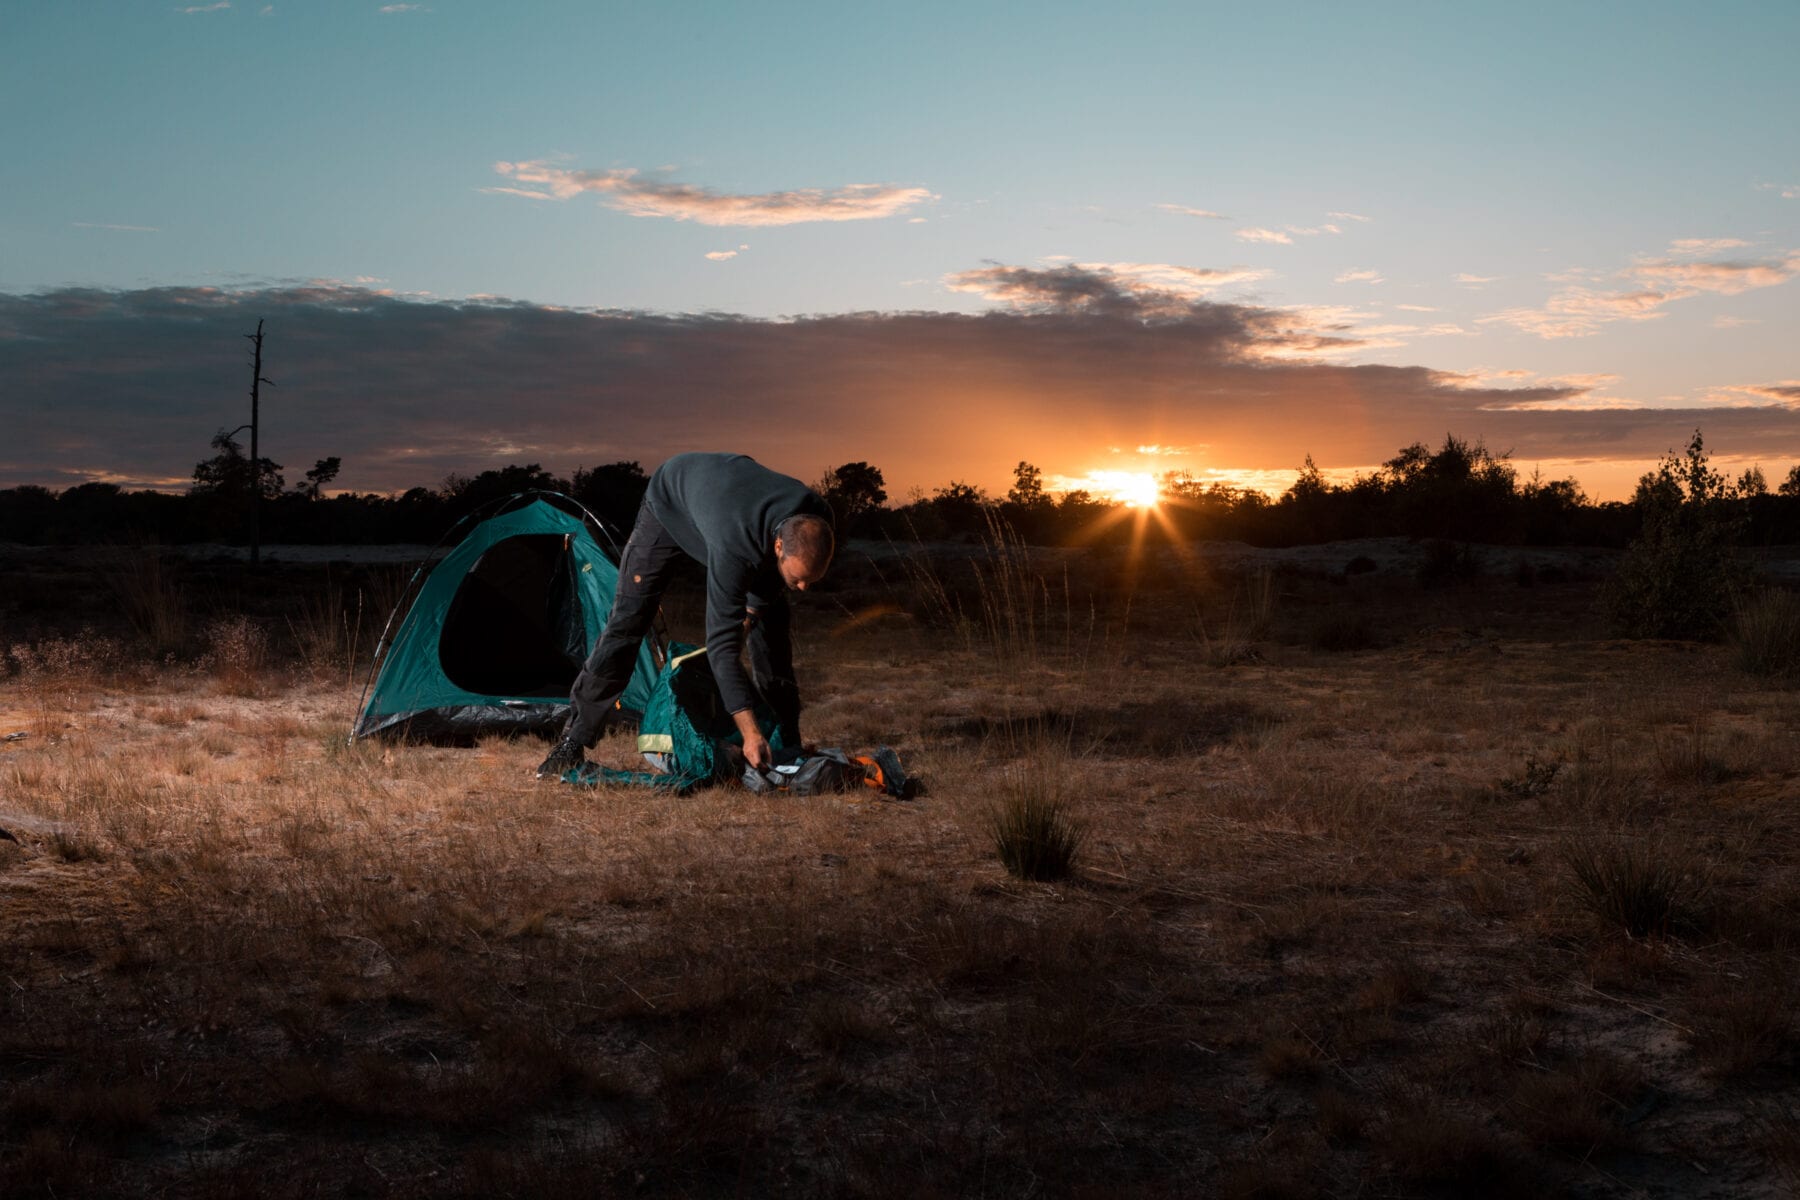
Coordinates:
[758,533]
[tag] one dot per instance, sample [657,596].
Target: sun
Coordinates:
[1134,489]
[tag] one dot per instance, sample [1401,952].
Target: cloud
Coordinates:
[1145,290]
[1727,321]
[1349,216]
[115,228]
[1360,277]
[1789,191]
[1185,211]
[1582,312]
[194,9]
[1705,245]
[1155,451]
[724,255]
[1683,279]
[1476,280]
[402,8]
[1785,392]
[1286,234]
[130,385]
[624,190]
[1415,308]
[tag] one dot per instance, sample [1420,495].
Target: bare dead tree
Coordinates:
[256,382]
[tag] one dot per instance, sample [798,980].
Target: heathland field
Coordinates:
[1377,889]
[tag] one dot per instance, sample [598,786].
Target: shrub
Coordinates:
[1677,579]
[238,654]
[1447,562]
[1766,633]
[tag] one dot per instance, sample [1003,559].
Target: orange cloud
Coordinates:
[624,190]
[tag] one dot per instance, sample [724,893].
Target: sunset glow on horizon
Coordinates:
[1499,235]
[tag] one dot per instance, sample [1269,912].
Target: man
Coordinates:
[757,532]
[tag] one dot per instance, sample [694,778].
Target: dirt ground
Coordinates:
[1384,891]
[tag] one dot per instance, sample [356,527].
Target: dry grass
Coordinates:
[1325,935]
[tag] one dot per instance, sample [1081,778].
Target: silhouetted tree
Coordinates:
[464,495]
[853,490]
[226,475]
[612,492]
[322,473]
[1027,490]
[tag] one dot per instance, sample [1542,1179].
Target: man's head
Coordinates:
[803,548]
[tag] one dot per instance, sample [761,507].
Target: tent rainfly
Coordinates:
[497,633]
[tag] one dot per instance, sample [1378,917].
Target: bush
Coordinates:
[1447,562]
[1766,633]
[1678,578]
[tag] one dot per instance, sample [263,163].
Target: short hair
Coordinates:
[807,538]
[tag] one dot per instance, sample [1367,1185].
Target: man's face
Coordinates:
[795,573]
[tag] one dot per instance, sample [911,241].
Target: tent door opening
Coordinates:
[514,627]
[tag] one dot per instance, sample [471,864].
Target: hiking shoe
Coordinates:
[565,756]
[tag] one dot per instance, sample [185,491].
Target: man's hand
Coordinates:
[756,746]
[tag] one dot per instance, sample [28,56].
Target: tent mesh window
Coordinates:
[514,628]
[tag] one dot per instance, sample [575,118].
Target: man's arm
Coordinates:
[726,587]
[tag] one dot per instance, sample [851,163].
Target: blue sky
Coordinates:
[1600,207]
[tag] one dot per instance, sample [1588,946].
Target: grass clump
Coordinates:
[1033,830]
[1766,634]
[1642,887]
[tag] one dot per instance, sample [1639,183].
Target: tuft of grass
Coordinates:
[1579,1107]
[1746,1025]
[1765,633]
[72,846]
[328,632]
[145,582]
[1642,886]
[1033,830]
[1686,756]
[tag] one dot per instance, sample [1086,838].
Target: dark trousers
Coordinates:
[643,577]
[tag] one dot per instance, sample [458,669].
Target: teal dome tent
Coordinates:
[497,632]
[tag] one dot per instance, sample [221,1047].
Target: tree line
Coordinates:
[1460,491]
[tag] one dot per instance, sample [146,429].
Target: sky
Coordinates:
[941,238]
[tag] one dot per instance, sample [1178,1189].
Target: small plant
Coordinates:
[1534,780]
[1033,831]
[1642,887]
[238,655]
[1766,634]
